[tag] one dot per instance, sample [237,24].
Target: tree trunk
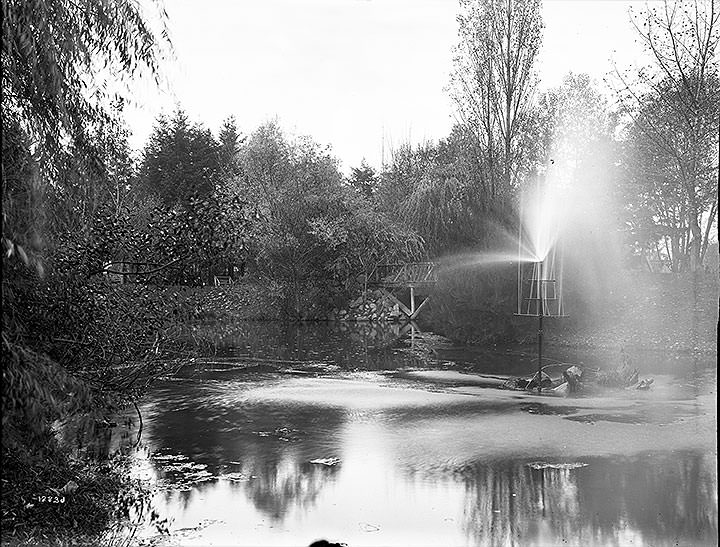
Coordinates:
[509,92]
[703,250]
[675,249]
[296,291]
[695,246]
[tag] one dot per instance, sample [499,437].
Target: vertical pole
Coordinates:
[540,337]
[519,264]
[541,312]
[412,300]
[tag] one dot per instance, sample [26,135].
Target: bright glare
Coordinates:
[541,215]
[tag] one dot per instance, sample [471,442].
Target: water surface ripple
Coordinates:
[406,450]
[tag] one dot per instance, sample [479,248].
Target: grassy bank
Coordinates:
[641,311]
[55,499]
[649,311]
[73,348]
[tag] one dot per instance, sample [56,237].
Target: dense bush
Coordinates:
[314,235]
[65,160]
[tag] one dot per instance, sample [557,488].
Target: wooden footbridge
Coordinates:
[395,280]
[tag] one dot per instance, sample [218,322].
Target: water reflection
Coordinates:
[387,346]
[284,484]
[653,498]
[372,346]
[400,461]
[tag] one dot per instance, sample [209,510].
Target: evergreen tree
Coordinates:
[180,160]
[229,147]
[364,179]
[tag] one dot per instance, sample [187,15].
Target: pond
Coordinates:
[285,434]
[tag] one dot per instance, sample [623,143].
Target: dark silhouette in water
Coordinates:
[325,543]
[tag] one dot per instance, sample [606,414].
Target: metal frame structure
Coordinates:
[539,289]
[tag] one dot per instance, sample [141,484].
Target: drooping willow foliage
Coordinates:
[62,60]
[65,65]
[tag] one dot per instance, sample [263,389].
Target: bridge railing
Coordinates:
[404,273]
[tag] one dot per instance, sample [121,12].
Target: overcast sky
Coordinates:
[351,73]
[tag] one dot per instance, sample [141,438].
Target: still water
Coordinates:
[282,435]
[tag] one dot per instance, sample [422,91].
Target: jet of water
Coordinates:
[541,215]
[470,260]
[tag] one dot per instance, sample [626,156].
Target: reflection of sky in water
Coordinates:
[424,468]
[426,461]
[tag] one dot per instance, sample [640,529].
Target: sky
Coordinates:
[362,76]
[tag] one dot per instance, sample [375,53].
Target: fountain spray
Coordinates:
[539,289]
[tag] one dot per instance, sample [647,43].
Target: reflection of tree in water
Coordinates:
[275,488]
[183,498]
[660,497]
[669,495]
[365,345]
[271,442]
[283,484]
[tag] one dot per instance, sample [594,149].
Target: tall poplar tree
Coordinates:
[493,82]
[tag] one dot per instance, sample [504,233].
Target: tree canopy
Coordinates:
[493,82]
[673,111]
[314,234]
[63,64]
[181,160]
[59,59]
